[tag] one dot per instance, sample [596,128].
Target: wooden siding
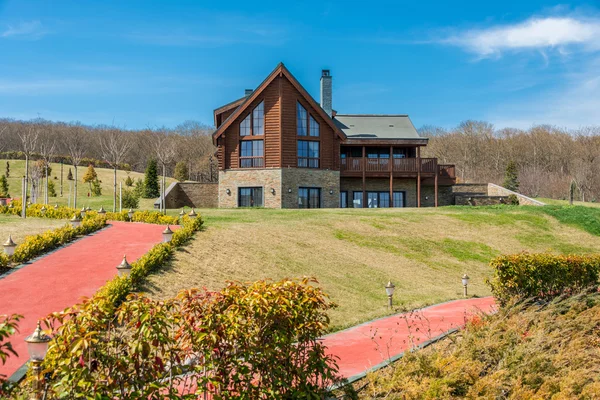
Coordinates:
[280,130]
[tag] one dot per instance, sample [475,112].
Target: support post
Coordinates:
[364,178]
[61,178]
[391,176]
[435,180]
[418,176]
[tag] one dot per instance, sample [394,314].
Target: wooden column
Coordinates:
[391,176]
[437,173]
[419,176]
[364,176]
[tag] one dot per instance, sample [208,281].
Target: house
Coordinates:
[278,148]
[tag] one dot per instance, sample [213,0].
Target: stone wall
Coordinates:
[495,190]
[475,188]
[295,178]
[190,194]
[233,179]
[479,200]
[445,196]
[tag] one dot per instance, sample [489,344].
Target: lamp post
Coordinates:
[192,214]
[181,213]
[43,210]
[9,246]
[37,347]
[465,282]
[75,221]
[389,290]
[88,209]
[82,212]
[130,214]
[101,211]
[56,206]
[167,234]
[124,268]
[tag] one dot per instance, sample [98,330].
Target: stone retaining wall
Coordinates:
[191,194]
[495,190]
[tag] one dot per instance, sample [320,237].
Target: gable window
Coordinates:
[254,123]
[308,154]
[314,127]
[252,154]
[250,197]
[302,121]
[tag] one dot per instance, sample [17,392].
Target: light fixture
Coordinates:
[124,268]
[75,221]
[273,191]
[9,246]
[167,234]
[130,214]
[331,191]
[11,205]
[43,210]
[228,191]
[82,212]
[37,347]
[56,206]
[389,290]
[290,190]
[101,211]
[182,213]
[192,214]
[88,209]
[465,282]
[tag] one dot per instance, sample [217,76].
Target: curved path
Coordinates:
[372,345]
[60,279]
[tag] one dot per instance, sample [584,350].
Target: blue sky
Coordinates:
[143,63]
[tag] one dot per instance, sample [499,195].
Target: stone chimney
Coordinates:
[326,92]
[248,92]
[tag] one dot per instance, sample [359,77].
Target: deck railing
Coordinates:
[401,165]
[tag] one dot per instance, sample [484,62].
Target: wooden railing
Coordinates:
[447,171]
[401,165]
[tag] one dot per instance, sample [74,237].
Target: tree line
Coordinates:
[548,159]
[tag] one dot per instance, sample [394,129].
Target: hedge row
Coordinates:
[35,245]
[63,212]
[542,276]
[118,288]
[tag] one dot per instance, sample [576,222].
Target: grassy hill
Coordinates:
[525,352]
[354,252]
[17,170]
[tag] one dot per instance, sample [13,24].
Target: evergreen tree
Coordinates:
[90,176]
[181,171]
[7,170]
[4,187]
[70,175]
[51,189]
[128,181]
[511,177]
[96,188]
[151,181]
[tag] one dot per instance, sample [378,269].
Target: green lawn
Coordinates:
[17,170]
[18,228]
[354,252]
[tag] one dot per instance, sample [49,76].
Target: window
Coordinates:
[250,197]
[308,154]
[301,117]
[314,127]
[252,154]
[382,199]
[258,119]
[344,199]
[254,123]
[399,199]
[357,199]
[400,153]
[309,198]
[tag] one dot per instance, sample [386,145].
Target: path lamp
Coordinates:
[56,206]
[11,205]
[124,268]
[130,214]
[182,213]
[82,212]
[101,211]
[389,290]
[88,209]
[9,246]
[167,234]
[43,210]
[75,221]
[465,282]
[192,214]
[37,347]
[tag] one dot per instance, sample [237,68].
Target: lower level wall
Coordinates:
[191,194]
[268,179]
[296,178]
[407,185]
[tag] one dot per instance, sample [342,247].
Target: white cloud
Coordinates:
[537,33]
[31,30]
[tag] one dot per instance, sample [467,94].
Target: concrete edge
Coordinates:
[536,202]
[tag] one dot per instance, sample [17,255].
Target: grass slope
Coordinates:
[523,352]
[17,170]
[354,252]
[19,228]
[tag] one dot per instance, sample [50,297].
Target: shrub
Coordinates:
[8,327]
[51,189]
[511,177]
[542,276]
[130,199]
[151,181]
[70,175]
[181,171]
[512,199]
[4,186]
[139,188]
[129,181]
[7,170]
[96,188]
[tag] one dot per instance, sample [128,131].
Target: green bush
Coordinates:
[130,199]
[512,199]
[129,181]
[148,217]
[4,187]
[51,189]
[151,190]
[542,276]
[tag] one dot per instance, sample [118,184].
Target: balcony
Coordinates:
[401,166]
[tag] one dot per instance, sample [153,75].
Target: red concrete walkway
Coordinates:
[368,346]
[62,278]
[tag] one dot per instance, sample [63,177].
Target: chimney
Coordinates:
[248,92]
[326,92]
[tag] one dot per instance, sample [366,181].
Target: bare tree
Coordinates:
[2,137]
[28,135]
[47,151]
[165,150]
[115,145]
[76,145]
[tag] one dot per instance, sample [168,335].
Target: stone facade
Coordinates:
[472,188]
[268,179]
[191,194]
[295,178]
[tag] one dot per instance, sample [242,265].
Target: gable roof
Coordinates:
[283,71]
[365,126]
